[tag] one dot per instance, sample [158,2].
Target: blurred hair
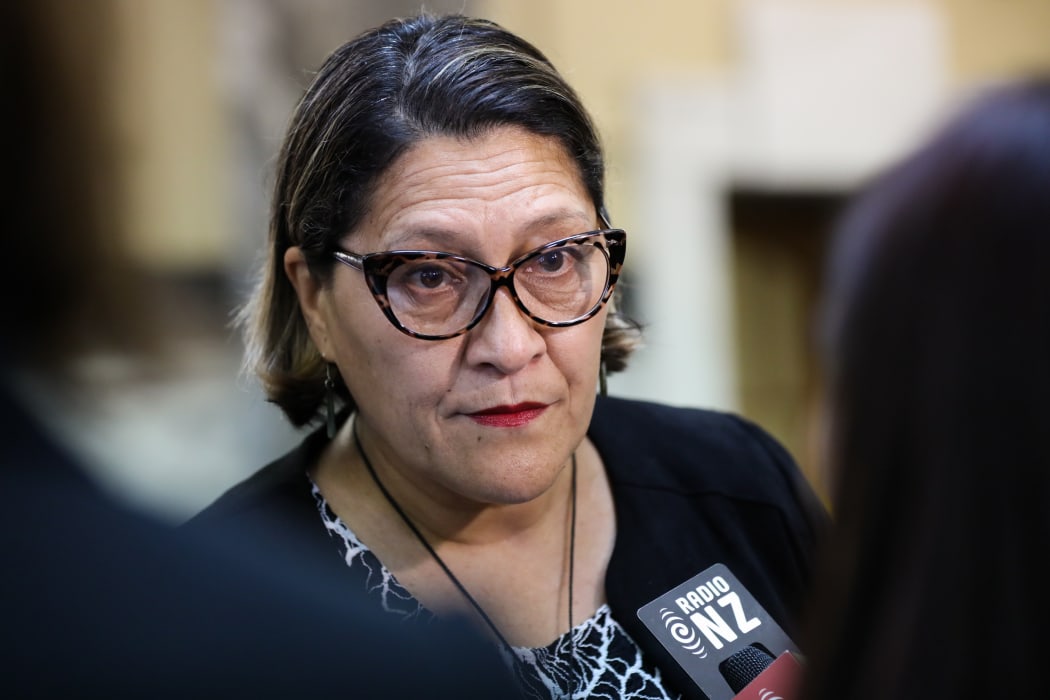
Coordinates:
[937,322]
[373,98]
[68,288]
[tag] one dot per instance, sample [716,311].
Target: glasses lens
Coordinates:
[436,295]
[565,282]
[441,294]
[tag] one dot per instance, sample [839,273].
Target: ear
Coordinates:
[312,301]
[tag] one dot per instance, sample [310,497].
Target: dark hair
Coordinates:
[373,98]
[938,315]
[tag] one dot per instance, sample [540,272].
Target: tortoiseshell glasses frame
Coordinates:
[434,295]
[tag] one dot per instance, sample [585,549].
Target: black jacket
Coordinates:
[691,488]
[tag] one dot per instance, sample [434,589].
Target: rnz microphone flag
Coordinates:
[720,635]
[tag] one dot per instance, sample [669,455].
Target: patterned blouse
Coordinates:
[596,659]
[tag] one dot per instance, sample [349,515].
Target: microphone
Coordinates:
[754,674]
[745,666]
[723,639]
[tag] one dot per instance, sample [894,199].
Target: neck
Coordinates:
[425,542]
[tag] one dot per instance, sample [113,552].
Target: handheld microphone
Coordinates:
[755,675]
[723,639]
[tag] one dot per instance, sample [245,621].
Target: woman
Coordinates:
[441,263]
[938,339]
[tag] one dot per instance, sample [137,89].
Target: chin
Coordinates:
[514,491]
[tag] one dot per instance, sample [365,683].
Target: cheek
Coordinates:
[578,360]
[578,354]
[359,342]
[388,371]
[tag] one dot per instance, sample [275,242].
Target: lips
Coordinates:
[509,416]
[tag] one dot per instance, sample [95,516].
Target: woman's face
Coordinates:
[491,415]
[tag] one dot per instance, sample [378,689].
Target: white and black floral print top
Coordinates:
[596,660]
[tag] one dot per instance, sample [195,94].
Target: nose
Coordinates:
[505,338]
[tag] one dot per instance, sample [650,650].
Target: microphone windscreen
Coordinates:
[745,666]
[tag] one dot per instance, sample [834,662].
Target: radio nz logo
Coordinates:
[711,613]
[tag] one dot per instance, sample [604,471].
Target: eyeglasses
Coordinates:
[433,295]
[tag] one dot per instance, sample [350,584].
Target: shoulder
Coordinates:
[698,480]
[280,487]
[695,449]
[274,510]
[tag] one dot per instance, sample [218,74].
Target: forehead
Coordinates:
[506,178]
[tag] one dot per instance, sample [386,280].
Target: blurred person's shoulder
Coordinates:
[102,597]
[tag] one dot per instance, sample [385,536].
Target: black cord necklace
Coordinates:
[448,572]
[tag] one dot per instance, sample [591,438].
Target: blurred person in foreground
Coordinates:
[937,314]
[98,599]
[438,295]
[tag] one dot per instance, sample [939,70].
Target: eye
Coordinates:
[558,263]
[429,276]
[552,261]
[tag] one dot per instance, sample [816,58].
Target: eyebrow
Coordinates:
[435,238]
[562,215]
[443,238]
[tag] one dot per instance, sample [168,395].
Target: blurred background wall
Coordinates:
[734,130]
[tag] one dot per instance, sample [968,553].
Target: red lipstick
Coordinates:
[508,416]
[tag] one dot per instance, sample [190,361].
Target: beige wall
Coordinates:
[993,38]
[174,133]
[177,135]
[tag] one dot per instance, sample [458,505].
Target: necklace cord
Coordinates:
[448,572]
[572,539]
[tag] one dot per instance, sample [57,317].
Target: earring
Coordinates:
[329,400]
[603,389]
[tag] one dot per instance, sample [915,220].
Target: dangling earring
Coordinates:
[329,400]
[603,389]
